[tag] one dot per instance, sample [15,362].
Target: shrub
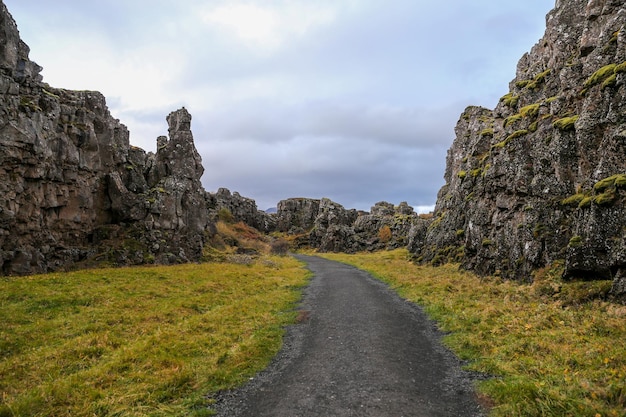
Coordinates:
[476,172]
[618,180]
[585,202]
[610,81]
[605,199]
[225,215]
[384,234]
[517,134]
[620,68]
[279,247]
[538,80]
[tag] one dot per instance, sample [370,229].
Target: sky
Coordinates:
[353,100]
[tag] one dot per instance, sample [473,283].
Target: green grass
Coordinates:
[553,348]
[148,341]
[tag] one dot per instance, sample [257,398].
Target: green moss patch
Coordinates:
[532,110]
[566,123]
[614,181]
[512,119]
[600,75]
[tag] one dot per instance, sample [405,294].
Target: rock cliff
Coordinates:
[541,179]
[75,189]
[242,209]
[329,227]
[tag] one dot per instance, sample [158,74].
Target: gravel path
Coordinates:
[359,351]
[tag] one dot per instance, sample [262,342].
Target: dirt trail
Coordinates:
[361,351]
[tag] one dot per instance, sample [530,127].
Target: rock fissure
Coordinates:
[536,181]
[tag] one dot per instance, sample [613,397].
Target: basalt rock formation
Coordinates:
[74,189]
[329,227]
[242,209]
[541,179]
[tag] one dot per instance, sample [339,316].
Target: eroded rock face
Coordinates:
[539,178]
[242,209]
[329,227]
[73,188]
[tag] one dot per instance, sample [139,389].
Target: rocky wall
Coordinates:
[540,179]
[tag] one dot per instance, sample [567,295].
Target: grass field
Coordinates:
[148,341]
[159,341]
[553,348]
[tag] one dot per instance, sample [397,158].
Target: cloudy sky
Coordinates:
[354,100]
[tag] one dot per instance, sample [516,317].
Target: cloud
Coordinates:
[354,172]
[355,100]
[270,122]
[267,26]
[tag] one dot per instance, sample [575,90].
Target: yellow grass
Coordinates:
[149,341]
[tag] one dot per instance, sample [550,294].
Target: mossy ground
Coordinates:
[145,341]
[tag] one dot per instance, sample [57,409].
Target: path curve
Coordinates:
[360,351]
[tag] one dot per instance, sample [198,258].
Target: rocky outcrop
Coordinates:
[73,187]
[541,178]
[329,227]
[242,209]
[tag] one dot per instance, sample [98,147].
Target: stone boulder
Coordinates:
[242,209]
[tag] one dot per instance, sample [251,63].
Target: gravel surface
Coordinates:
[360,350]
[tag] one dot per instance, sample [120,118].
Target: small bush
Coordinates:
[384,234]
[225,215]
[605,199]
[517,134]
[618,181]
[279,247]
[610,81]
[575,242]
[620,68]
[585,202]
